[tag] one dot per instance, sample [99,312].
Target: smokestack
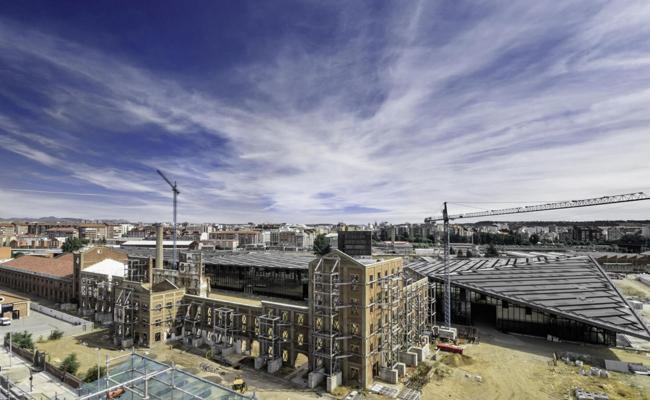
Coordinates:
[159,246]
[150,270]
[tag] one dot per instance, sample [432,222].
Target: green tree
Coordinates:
[21,339]
[70,364]
[91,374]
[321,245]
[72,244]
[55,335]
[491,251]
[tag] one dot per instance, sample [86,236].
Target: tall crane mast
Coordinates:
[175,193]
[445,218]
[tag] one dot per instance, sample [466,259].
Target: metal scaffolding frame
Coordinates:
[226,324]
[124,313]
[192,320]
[269,336]
[327,336]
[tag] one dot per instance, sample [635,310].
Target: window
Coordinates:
[504,304]
[354,374]
[529,311]
[157,336]
[372,284]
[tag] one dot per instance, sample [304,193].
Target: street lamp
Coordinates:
[98,370]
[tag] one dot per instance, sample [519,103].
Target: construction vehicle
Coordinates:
[450,348]
[239,385]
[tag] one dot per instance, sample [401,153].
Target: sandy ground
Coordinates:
[518,367]
[632,288]
[265,386]
[85,346]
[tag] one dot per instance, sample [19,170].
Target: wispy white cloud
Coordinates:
[519,101]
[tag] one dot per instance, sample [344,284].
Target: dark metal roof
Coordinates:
[575,287]
[265,260]
[146,252]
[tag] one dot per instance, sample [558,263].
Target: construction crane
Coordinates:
[445,218]
[175,193]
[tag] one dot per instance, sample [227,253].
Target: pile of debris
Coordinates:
[584,395]
[593,371]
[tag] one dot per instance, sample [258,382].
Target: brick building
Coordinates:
[46,277]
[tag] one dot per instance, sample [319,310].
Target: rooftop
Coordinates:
[60,266]
[107,267]
[152,243]
[165,381]
[252,300]
[263,259]
[575,287]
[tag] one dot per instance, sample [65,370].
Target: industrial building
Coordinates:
[362,319]
[46,277]
[355,243]
[276,274]
[568,298]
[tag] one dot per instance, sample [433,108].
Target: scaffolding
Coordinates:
[270,337]
[192,319]
[124,317]
[326,342]
[432,303]
[394,320]
[226,325]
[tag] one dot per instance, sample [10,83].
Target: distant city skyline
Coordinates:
[296,112]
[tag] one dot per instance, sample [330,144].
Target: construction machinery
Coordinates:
[239,385]
[175,193]
[445,218]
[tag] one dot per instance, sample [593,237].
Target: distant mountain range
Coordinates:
[63,220]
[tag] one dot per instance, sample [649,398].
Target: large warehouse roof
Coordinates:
[575,287]
[265,260]
[60,266]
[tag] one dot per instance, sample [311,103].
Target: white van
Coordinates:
[5,321]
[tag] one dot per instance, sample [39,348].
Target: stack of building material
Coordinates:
[583,395]
[645,279]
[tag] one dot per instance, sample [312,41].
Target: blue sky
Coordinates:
[301,111]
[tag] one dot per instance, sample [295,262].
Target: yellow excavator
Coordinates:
[239,385]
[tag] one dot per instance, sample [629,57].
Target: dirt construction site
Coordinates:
[507,366]
[501,366]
